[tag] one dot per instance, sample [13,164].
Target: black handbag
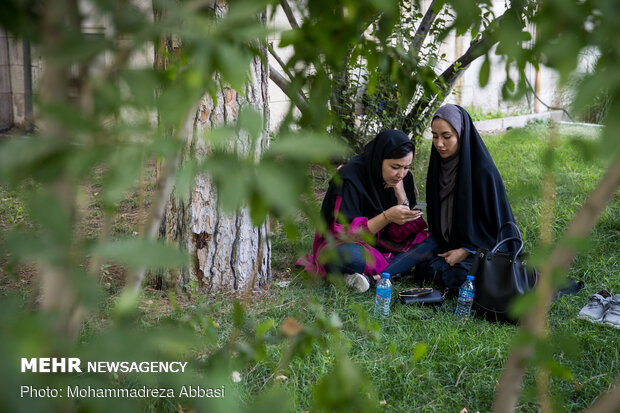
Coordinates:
[501,276]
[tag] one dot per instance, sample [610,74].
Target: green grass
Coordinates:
[417,363]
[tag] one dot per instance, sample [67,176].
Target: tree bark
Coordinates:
[423,29]
[226,251]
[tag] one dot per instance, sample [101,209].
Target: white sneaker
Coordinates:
[596,308]
[612,317]
[357,281]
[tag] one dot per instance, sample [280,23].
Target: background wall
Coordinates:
[467,91]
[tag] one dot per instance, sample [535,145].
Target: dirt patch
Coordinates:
[92,223]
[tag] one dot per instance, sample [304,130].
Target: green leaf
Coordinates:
[522,304]
[124,168]
[220,136]
[185,178]
[251,121]
[20,154]
[264,327]
[419,351]
[233,65]
[26,246]
[279,187]
[258,209]
[143,83]
[232,176]
[51,214]
[307,147]
[485,69]
[558,370]
[288,38]
[234,189]
[238,314]
[80,46]
[139,253]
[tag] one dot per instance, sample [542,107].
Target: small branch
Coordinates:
[608,403]
[509,386]
[164,187]
[289,14]
[297,98]
[278,59]
[477,48]
[423,29]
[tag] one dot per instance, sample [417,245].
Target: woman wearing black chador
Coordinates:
[466,198]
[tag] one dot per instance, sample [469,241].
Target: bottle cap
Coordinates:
[385,275]
[470,277]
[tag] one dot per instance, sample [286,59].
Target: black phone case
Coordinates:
[421,296]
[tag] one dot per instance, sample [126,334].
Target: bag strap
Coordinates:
[508,224]
[511,239]
[480,254]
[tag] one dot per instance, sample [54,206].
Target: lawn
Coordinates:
[303,344]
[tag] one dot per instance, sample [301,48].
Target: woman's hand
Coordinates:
[453,257]
[399,191]
[400,214]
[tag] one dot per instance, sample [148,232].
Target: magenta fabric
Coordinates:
[398,238]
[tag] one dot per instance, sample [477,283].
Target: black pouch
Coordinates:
[421,296]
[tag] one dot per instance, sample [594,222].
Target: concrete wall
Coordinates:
[12,95]
[6,94]
[466,92]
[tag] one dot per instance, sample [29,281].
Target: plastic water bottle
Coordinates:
[384,296]
[466,298]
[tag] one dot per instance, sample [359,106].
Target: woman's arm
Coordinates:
[398,214]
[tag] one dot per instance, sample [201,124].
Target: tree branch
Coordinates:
[425,106]
[164,187]
[278,59]
[296,97]
[423,29]
[289,14]
[608,403]
[510,382]
[477,48]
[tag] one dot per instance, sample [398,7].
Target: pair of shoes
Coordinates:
[602,308]
[357,281]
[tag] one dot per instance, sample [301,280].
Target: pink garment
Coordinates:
[393,238]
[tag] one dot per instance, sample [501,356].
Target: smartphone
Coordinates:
[420,206]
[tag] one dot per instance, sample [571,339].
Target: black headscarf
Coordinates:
[479,204]
[361,186]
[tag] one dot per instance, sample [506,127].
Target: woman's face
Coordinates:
[445,138]
[394,170]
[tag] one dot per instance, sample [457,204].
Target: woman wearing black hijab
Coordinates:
[466,198]
[371,195]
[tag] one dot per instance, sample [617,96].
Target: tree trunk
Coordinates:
[227,252]
[58,293]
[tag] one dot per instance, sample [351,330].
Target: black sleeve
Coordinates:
[350,207]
